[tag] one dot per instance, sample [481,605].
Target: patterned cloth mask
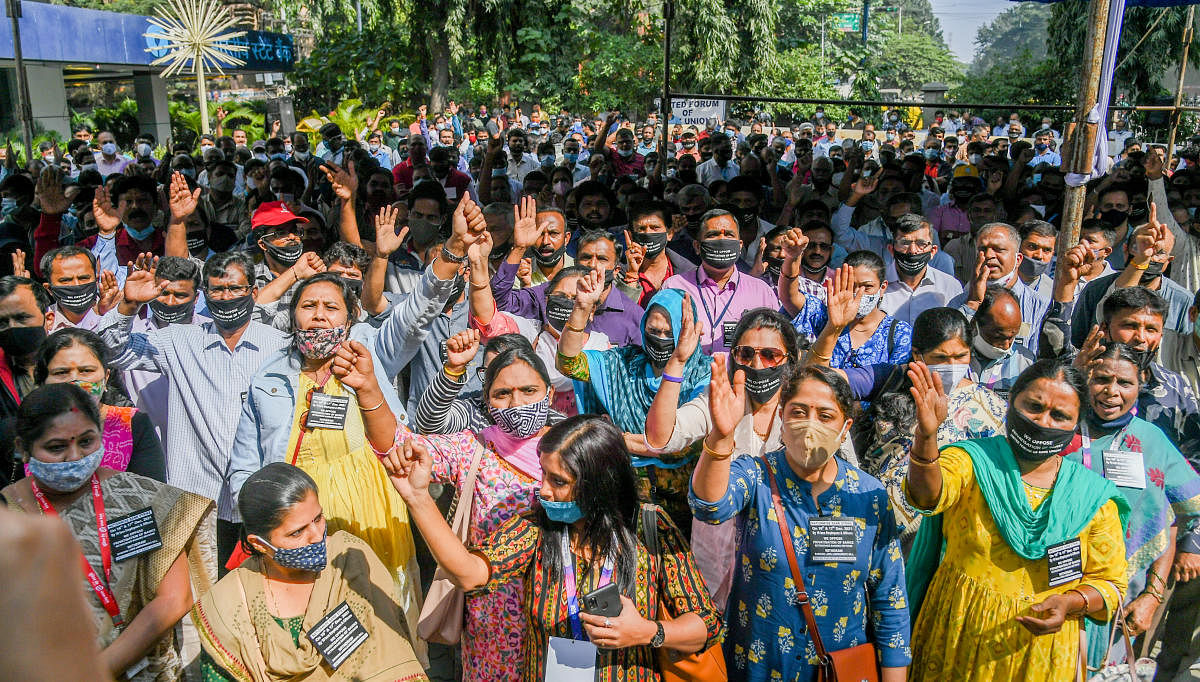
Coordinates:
[65,477]
[522,421]
[318,344]
[307,558]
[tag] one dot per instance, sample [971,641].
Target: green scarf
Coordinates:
[1077,495]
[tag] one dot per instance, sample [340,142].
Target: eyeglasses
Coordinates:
[770,356]
[238,290]
[921,244]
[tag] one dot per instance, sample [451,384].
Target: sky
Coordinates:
[961,18]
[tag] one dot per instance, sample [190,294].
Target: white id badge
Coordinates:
[570,660]
[1125,469]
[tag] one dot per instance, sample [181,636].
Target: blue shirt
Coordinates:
[1050,157]
[877,349]
[767,638]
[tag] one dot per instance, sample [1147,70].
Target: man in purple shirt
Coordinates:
[720,291]
[617,316]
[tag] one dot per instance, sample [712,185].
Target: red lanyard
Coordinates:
[103,593]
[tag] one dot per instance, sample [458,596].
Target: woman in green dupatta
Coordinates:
[1148,470]
[1019,545]
[622,382]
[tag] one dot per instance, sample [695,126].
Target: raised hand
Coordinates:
[843,301]
[182,201]
[1093,346]
[589,290]
[49,192]
[344,180]
[309,265]
[221,114]
[979,282]
[353,367]
[689,336]
[760,267]
[479,252]
[467,226]
[140,286]
[930,396]
[106,216]
[525,273]
[1071,266]
[18,263]
[635,255]
[864,186]
[995,182]
[794,244]
[145,261]
[461,349]
[387,239]
[726,400]
[526,231]
[410,468]
[110,293]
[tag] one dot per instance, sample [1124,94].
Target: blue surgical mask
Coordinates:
[571,159]
[65,477]
[108,148]
[8,206]
[140,235]
[561,512]
[547,159]
[499,172]
[307,558]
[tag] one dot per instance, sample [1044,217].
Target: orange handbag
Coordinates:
[705,666]
[856,664]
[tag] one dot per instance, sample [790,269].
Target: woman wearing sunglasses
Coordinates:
[302,408]
[765,350]
[624,382]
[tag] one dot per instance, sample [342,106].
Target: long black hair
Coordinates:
[74,336]
[45,404]
[593,450]
[266,496]
[510,356]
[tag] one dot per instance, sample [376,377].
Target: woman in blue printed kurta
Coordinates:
[767,639]
[888,340]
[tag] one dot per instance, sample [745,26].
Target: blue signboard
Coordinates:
[111,38]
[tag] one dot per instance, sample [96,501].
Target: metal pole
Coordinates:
[1080,137]
[202,96]
[24,112]
[358,14]
[1187,43]
[822,49]
[866,17]
[900,23]
[665,105]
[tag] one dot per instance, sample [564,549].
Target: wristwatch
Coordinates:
[657,640]
[453,258]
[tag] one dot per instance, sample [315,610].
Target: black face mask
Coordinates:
[285,255]
[551,259]
[761,384]
[720,253]
[655,242]
[961,198]
[172,314]
[1031,267]
[76,298]
[356,285]
[658,349]
[197,246]
[912,263]
[1153,271]
[1114,217]
[1144,358]
[19,342]
[774,268]
[558,310]
[231,314]
[1139,215]
[1032,442]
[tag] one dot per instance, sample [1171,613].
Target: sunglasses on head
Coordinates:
[744,355]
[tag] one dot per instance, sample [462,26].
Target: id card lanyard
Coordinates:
[712,324]
[100,587]
[1086,441]
[568,564]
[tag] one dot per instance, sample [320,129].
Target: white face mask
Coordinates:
[868,304]
[950,374]
[975,159]
[987,350]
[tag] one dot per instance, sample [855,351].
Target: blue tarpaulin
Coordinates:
[1135,3]
[87,36]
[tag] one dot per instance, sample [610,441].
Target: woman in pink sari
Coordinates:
[76,356]
[518,392]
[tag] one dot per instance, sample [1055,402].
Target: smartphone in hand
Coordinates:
[605,601]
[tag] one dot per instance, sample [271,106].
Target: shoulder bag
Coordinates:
[441,618]
[704,666]
[856,664]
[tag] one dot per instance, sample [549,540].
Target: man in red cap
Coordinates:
[276,230]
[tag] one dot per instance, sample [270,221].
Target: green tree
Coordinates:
[1017,31]
[1019,80]
[1143,71]
[345,64]
[911,60]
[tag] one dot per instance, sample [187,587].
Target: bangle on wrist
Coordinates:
[924,462]
[571,327]
[481,287]
[372,409]
[452,373]
[1087,605]
[446,255]
[716,456]
[671,378]
[1144,266]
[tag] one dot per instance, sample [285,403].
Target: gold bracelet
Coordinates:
[818,356]
[1141,267]
[372,409]
[716,456]
[1157,595]
[573,328]
[1152,575]
[931,463]
[451,373]
[1087,605]
[481,287]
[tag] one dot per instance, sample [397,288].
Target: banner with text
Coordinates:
[696,111]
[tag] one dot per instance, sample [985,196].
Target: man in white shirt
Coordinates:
[913,286]
[721,166]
